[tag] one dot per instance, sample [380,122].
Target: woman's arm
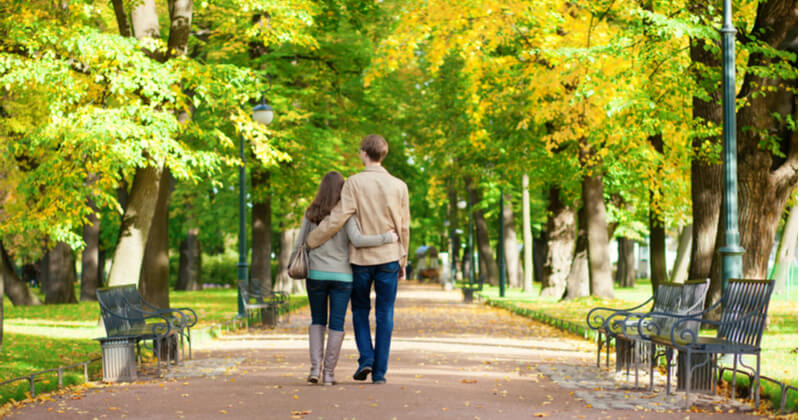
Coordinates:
[363,241]
[301,235]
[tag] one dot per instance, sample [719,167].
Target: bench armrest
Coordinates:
[184,313]
[598,318]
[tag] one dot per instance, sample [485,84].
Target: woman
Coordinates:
[330,277]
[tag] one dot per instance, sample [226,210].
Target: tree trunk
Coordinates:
[511,249]
[680,268]
[2,301]
[787,251]
[706,171]
[282,281]
[539,256]
[601,284]
[90,256]
[765,179]
[60,286]
[626,263]
[560,231]
[101,267]
[578,277]
[16,289]
[658,236]
[527,237]
[487,261]
[455,241]
[260,267]
[135,226]
[154,283]
[190,263]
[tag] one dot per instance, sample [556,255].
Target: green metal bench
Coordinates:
[744,313]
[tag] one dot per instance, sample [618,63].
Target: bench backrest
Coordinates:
[743,297]
[680,299]
[117,300]
[667,299]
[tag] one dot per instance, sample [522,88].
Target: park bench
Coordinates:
[127,326]
[183,319]
[270,305]
[685,299]
[469,289]
[744,307]
[602,319]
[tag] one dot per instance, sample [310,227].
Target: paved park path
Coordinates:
[449,361]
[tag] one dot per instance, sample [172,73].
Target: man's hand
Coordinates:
[395,237]
[402,273]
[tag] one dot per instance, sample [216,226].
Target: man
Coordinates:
[379,202]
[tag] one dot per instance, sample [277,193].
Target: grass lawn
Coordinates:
[48,336]
[779,343]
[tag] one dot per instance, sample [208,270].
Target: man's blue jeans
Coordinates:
[318,293]
[384,277]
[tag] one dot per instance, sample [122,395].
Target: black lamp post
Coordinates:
[263,114]
[732,251]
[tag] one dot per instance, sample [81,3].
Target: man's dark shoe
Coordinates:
[362,373]
[379,381]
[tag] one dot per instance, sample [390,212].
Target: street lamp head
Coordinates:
[262,113]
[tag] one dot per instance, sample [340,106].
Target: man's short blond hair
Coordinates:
[375,146]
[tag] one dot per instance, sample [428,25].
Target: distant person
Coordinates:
[379,202]
[330,277]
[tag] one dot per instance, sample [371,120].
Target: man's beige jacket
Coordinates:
[379,202]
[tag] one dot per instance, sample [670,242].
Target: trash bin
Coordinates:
[702,372]
[119,359]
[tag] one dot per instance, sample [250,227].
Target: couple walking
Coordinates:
[357,232]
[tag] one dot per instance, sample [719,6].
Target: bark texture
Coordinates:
[154,283]
[601,284]
[489,270]
[135,227]
[765,179]
[787,251]
[706,172]
[680,270]
[190,263]
[626,263]
[527,237]
[455,240]
[578,277]
[60,286]
[17,291]
[511,249]
[282,281]
[560,235]
[261,229]
[90,270]
[658,236]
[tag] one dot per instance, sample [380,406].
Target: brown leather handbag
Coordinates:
[298,263]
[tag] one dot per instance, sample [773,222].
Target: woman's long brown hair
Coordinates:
[330,190]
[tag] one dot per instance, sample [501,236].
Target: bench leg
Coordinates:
[189,341]
[636,355]
[688,370]
[608,350]
[652,363]
[669,354]
[733,377]
[157,344]
[599,346]
[756,385]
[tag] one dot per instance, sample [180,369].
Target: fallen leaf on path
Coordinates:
[543,414]
[301,412]
[469,381]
